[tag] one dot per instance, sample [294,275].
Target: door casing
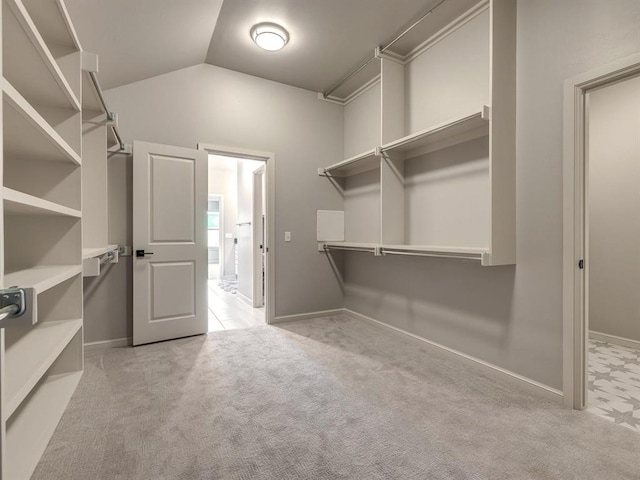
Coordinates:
[575,291]
[269,159]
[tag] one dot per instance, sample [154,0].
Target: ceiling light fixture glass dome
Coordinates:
[269,36]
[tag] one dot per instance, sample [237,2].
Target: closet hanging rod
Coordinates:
[110,115]
[432,255]
[343,80]
[350,249]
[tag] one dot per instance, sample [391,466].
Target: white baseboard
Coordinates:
[246,300]
[307,316]
[486,367]
[117,343]
[603,337]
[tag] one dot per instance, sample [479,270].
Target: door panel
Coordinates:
[169,225]
[173,197]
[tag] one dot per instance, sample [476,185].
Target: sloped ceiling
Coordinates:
[138,39]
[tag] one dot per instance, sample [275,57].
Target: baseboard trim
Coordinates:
[604,337]
[246,300]
[486,367]
[117,343]
[307,316]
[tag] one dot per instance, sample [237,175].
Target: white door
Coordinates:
[258,237]
[169,242]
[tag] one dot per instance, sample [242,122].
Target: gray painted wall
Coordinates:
[614,209]
[108,299]
[510,316]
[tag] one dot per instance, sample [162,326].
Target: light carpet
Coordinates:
[329,398]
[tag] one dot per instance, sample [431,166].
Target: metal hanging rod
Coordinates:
[243,224]
[350,249]
[343,80]
[348,77]
[433,255]
[110,114]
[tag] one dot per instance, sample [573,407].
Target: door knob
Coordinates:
[142,253]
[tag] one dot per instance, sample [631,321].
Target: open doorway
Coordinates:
[601,272]
[612,230]
[236,226]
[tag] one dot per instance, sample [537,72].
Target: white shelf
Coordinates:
[31,355]
[53,22]
[18,203]
[469,253]
[356,246]
[98,251]
[29,433]
[42,278]
[361,163]
[28,135]
[447,131]
[28,62]
[438,249]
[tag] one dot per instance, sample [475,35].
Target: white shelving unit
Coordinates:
[42,217]
[97,138]
[436,176]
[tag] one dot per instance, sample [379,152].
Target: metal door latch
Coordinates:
[13,302]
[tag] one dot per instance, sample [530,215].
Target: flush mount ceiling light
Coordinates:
[269,36]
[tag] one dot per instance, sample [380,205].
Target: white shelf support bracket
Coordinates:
[486,112]
[89,62]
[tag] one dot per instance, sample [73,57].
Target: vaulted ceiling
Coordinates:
[138,39]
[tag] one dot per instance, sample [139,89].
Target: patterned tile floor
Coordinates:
[614,383]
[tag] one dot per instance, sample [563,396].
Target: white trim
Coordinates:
[353,95]
[116,343]
[487,368]
[363,89]
[443,33]
[605,337]
[575,323]
[244,298]
[270,240]
[308,316]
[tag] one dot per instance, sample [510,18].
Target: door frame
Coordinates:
[575,280]
[257,236]
[269,159]
[220,198]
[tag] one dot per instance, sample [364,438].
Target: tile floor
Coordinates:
[614,383]
[227,311]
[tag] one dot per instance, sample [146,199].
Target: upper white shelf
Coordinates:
[19,203]
[98,251]
[451,131]
[31,351]
[53,22]
[361,163]
[28,62]
[41,278]
[28,135]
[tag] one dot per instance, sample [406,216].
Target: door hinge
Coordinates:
[581,264]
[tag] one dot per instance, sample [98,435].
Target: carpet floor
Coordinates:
[330,398]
